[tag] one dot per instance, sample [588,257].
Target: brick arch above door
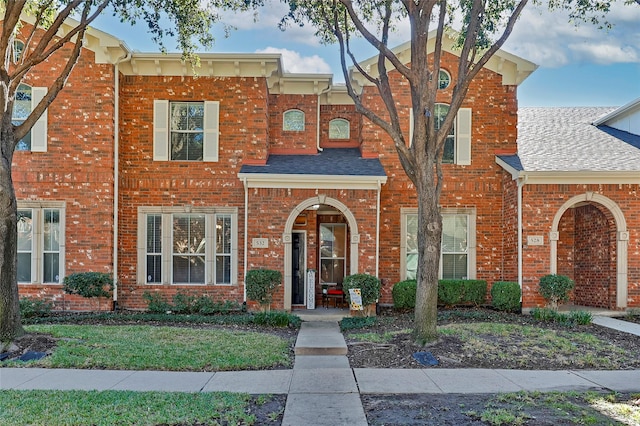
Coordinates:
[287,238]
[622,239]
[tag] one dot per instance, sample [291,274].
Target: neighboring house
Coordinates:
[178,182]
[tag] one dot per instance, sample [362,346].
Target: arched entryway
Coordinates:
[589,243]
[288,238]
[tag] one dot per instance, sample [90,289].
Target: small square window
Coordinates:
[293,120]
[339,129]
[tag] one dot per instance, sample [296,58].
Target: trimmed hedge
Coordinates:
[261,284]
[89,284]
[404,294]
[462,292]
[505,296]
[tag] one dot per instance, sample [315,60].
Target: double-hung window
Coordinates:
[40,242]
[185,131]
[457,257]
[187,246]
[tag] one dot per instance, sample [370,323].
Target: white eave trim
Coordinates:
[295,181]
[617,112]
[573,177]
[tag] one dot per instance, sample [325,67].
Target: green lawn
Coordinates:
[141,347]
[53,408]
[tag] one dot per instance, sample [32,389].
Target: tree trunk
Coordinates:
[10,321]
[429,237]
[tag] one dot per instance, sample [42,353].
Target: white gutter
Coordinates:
[116,166]
[378,230]
[318,118]
[520,182]
[246,242]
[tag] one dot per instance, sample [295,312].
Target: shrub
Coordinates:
[260,285]
[456,292]
[555,289]
[184,303]
[89,284]
[404,294]
[354,323]
[571,318]
[368,284]
[276,319]
[156,303]
[505,296]
[32,308]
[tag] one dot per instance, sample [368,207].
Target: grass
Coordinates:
[142,347]
[526,342]
[53,408]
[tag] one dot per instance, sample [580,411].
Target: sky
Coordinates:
[578,65]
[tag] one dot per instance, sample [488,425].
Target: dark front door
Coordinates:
[297,268]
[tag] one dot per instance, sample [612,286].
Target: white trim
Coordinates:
[297,181]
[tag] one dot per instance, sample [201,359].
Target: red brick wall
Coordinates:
[594,272]
[541,204]
[77,167]
[346,112]
[510,228]
[288,142]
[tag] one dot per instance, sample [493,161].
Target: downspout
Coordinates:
[318,117]
[116,173]
[378,229]
[521,182]
[246,243]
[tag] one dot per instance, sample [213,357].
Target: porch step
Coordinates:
[322,314]
[320,338]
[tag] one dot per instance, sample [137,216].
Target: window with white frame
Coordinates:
[333,249]
[18,48]
[444,79]
[185,131]
[457,148]
[187,246]
[40,242]
[26,98]
[339,129]
[457,258]
[293,120]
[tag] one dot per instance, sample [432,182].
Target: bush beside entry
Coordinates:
[505,296]
[368,284]
[555,289]
[261,284]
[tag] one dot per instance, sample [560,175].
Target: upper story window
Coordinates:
[444,79]
[441,111]
[21,110]
[185,131]
[18,48]
[339,128]
[293,120]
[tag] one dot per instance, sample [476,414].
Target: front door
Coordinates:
[298,268]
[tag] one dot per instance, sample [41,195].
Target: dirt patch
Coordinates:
[395,346]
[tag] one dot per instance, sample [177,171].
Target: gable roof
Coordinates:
[514,70]
[564,143]
[625,118]
[330,168]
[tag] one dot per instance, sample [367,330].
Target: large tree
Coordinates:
[41,22]
[484,26]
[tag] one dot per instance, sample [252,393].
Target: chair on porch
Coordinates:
[334,293]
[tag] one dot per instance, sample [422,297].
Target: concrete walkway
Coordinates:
[322,389]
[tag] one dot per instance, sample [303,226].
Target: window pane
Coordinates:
[223,234]
[443,79]
[448,154]
[188,248]
[154,268]
[24,267]
[338,129]
[339,235]
[187,135]
[51,230]
[21,110]
[186,146]
[223,269]
[25,230]
[454,266]
[332,270]
[154,233]
[454,234]
[293,120]
[412,233]
[412,266]
[51,268]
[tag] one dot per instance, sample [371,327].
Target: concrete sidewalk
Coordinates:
[322,389]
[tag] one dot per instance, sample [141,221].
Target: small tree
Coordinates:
[555,289]
[369,288]
[261,284]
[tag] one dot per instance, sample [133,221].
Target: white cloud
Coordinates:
[293,62]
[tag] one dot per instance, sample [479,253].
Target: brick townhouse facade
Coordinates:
[182,182]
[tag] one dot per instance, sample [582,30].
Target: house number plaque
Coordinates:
[260,243]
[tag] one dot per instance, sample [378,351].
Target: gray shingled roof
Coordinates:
[329,162]
[563,139]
